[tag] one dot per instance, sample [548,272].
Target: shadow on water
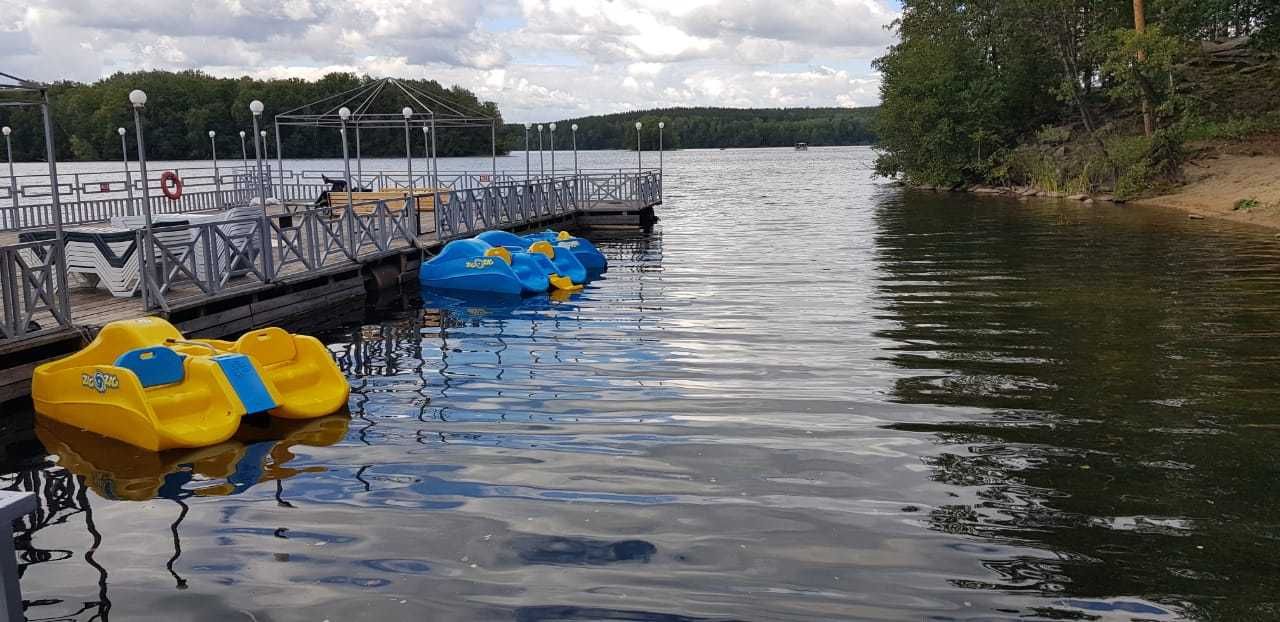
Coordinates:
[1129,382]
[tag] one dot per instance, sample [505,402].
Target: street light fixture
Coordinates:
[124,158]
[574,128]
[639,148]
[139,99]
[217,178]
[542,171]
[13,181]
[408,160]
[256,108]
[344,113]
[553,149]
[526,152]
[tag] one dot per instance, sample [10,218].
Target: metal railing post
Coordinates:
[268,249]
[60,250]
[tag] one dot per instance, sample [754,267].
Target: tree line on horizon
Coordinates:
[711,128]
[970,81]
[182,107]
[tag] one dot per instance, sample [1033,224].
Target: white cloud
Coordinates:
[539,59]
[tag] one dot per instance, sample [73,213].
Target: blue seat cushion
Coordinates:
[154,365]
[246,382]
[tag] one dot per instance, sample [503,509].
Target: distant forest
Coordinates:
[692,128]
[182,107]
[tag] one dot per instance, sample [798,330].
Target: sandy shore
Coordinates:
[1216,183]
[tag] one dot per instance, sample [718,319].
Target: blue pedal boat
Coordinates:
[583,250]
[476,265]
[537,256]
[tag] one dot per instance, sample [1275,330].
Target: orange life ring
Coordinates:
[171,185]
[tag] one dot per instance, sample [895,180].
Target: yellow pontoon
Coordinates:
[140,382]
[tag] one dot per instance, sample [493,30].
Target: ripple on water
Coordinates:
[806,396]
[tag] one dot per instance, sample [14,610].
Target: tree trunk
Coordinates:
[1140,26]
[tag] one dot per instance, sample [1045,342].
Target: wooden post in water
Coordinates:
[1140,26]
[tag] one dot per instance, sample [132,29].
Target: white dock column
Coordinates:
[13,505]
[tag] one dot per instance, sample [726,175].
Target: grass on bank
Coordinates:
[1126,164]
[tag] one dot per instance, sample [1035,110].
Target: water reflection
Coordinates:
[1122,399]
[80,462]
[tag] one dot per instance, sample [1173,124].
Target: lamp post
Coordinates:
[266,160]
[426,149]
[526,153]
[217,178]
[344,113]
[124,158]
[541,170]
[256,107]
[279,164]
[139,99]
[244,155]
[639,148]
[552,127]
[408,162]
[574,129]
[436,206]
[661,124]
[13,181]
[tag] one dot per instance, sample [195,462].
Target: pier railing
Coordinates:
[32,290]
[86,198]
[209,257]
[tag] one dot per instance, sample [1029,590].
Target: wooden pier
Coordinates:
[318,258]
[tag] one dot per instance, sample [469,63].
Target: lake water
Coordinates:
[807,395]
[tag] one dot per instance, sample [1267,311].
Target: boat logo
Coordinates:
[569,244]
[100,381]
[480,262]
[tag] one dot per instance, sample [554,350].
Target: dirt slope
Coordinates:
[1215,184]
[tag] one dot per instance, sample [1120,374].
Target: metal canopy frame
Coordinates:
[429,109]
[58,300]
[430,114]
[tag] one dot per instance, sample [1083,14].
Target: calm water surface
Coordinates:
[806,396]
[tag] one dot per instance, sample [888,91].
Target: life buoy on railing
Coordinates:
[171,185]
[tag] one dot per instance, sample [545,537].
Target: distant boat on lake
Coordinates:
[802,146]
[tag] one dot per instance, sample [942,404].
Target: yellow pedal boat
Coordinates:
[141,382]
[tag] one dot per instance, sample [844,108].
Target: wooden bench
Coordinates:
[364,203]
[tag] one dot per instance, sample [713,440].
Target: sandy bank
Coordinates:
[1215,184]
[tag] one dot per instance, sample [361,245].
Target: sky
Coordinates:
[540,60]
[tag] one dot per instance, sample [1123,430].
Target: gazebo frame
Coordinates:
[431,115]
[18,92]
